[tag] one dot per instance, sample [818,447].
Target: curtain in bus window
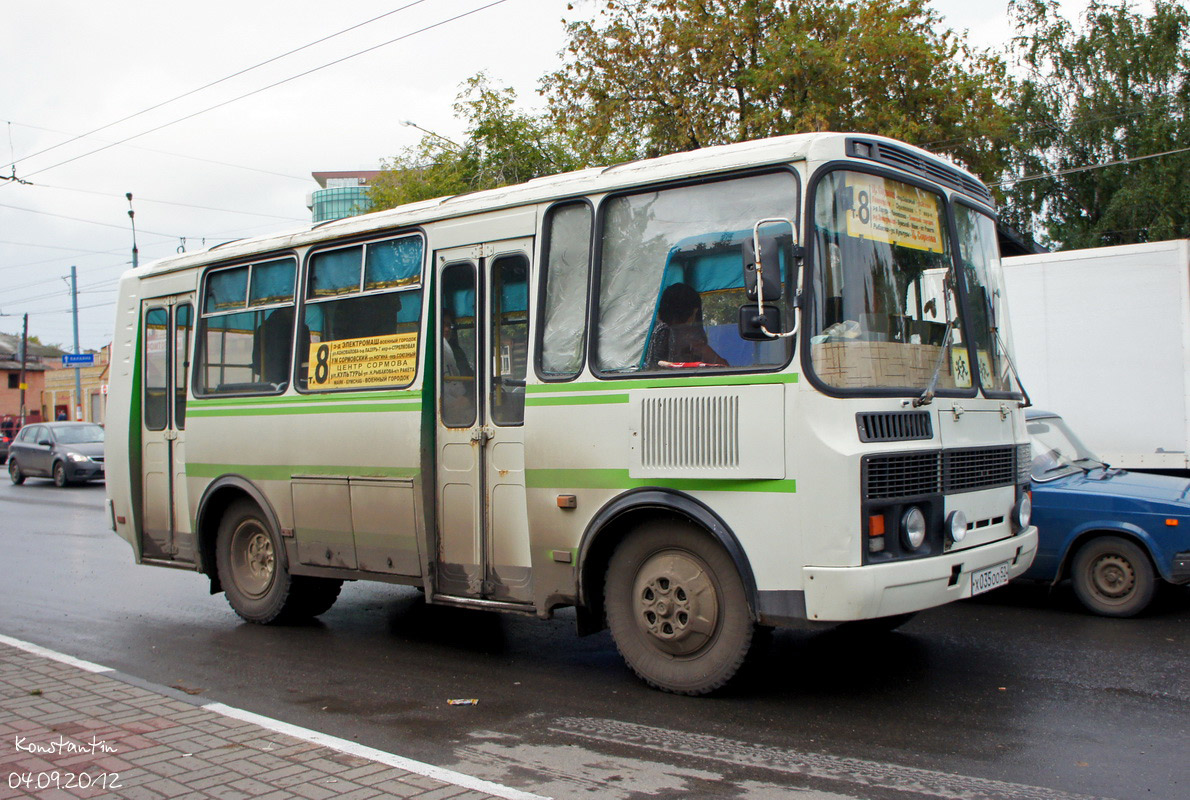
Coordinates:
[335,272]
[156,370]
[227,289]
[392,264]
[272,282]
[692,236]
[565,280]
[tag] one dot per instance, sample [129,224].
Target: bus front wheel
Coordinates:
[677,609]
[250,559]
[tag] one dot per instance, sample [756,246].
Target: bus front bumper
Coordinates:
[839,594]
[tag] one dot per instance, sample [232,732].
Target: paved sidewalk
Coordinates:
[73,729]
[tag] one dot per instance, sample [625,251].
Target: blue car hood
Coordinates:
[1153,492]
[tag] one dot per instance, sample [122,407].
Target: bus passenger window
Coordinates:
[564,290]
[671,276]
[361,316]
[245,338]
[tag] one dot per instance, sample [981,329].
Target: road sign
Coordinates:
[78,360]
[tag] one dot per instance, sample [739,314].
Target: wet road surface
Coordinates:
[1019,694]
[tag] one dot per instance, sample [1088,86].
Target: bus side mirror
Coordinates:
[770,253]
[754,320]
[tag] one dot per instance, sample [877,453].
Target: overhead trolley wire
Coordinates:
[224,79]
[275,84]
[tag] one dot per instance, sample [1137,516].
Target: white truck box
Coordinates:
[1102,337]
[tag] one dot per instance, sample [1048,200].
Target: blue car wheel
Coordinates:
[1113,577]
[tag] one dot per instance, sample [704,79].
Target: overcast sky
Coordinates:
[243,168]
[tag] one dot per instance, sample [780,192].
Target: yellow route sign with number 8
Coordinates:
[892,212]
[368,361]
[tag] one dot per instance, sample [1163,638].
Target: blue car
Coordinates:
[1115,534]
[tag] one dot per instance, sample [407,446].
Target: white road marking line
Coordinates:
[305,734]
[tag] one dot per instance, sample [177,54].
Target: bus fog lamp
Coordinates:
[913,528]
[956,526]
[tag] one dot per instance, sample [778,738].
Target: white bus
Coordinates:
[752,385]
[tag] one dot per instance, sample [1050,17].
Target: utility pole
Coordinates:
[78,382]
[24,358]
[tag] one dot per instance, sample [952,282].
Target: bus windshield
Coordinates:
[980,258]
[885,295]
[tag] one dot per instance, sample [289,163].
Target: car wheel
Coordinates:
[677,609]
[60,475]
[14,472]
[1113,577]
[251,562]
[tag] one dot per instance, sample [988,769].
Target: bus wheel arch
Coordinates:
[628,512]
[219,496]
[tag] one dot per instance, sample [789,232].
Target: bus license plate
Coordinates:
[987,579]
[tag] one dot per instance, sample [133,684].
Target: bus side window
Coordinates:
[355,294]
[245,334]
[567,267]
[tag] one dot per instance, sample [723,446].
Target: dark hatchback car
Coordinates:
[1115,534]
[67,452]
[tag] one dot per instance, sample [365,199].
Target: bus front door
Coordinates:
[167,324]
[482,345]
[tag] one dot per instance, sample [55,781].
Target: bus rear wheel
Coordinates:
[677,609]
[251,563]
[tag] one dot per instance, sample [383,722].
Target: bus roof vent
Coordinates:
[912,161]
[894,426]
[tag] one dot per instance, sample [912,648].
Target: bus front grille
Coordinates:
[893,475]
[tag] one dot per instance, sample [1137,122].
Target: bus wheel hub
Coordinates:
[676,602]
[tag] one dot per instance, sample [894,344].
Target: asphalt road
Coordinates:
[1019,694]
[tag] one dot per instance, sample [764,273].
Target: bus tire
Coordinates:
[251,563]
[1113,577]
[677,608]
[312,596]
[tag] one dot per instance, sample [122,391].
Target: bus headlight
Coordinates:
[956,526]
[1023,511]
[913,528]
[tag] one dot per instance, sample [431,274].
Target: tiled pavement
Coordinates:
[73,729]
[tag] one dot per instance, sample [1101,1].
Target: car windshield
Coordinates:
[79,434]
[1056,450]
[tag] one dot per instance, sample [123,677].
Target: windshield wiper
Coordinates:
[1026,402]
[927,396]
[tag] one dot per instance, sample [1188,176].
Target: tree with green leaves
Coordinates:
[502,146]
[1104,144]
[648,77]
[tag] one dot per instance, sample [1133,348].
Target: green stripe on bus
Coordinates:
[661,383]
[371,397]
[284,472]
[282,411]
[619,479]
[577,400]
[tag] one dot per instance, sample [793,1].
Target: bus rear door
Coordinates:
[167,323]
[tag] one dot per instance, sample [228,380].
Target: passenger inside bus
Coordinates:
[454,360]
[679,338]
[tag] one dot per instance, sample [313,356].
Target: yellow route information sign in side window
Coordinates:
[892,212]
[360,363]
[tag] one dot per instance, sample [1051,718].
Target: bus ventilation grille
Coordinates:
[690,432]
[896,475]
[894,426]
[922,165]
